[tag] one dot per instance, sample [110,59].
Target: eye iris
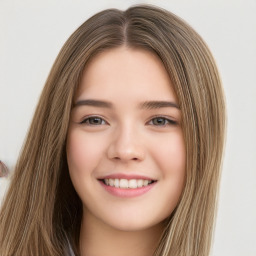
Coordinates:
[95,120]
[159,121]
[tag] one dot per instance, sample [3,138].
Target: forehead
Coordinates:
[126,72]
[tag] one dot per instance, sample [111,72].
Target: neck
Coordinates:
[103,240]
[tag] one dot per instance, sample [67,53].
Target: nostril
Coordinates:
[125,152]
[132,158]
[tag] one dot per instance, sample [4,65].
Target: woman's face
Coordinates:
[125,146]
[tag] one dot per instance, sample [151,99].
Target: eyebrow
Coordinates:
[158,104]
[94,103]
[143,105]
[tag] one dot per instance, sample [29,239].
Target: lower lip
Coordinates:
[130,192]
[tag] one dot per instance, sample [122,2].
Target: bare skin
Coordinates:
[102,240]
[125,128]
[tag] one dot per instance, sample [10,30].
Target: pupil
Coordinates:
[95,120]
[159,121]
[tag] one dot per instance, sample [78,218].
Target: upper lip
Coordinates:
[126,176]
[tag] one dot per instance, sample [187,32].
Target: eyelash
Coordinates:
[167,121]
[88,119]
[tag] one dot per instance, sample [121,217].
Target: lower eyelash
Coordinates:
[84,121]
[169,121]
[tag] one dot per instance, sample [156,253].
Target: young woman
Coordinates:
[124,152]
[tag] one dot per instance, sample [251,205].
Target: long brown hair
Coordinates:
[42,210]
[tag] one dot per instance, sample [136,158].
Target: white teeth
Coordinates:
[110,182]
[125,184]
[140,183]
[133,184]
[145,182]
[116,183]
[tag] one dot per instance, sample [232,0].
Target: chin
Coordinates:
[133,223]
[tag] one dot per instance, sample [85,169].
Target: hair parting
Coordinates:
[42,212]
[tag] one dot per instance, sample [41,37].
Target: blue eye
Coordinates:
[94,120]
[161,121]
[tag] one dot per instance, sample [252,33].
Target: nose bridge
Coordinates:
[126,144]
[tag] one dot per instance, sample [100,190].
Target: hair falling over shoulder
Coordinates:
[41,213]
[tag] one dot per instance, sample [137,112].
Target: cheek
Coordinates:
[76,151]
[170,160]
[83,153]
[173,164]
[171,155]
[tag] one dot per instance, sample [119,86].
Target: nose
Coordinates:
[126,146]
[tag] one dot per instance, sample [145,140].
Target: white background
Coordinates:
[32,33]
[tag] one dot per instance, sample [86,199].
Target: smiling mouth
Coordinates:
[127,184]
